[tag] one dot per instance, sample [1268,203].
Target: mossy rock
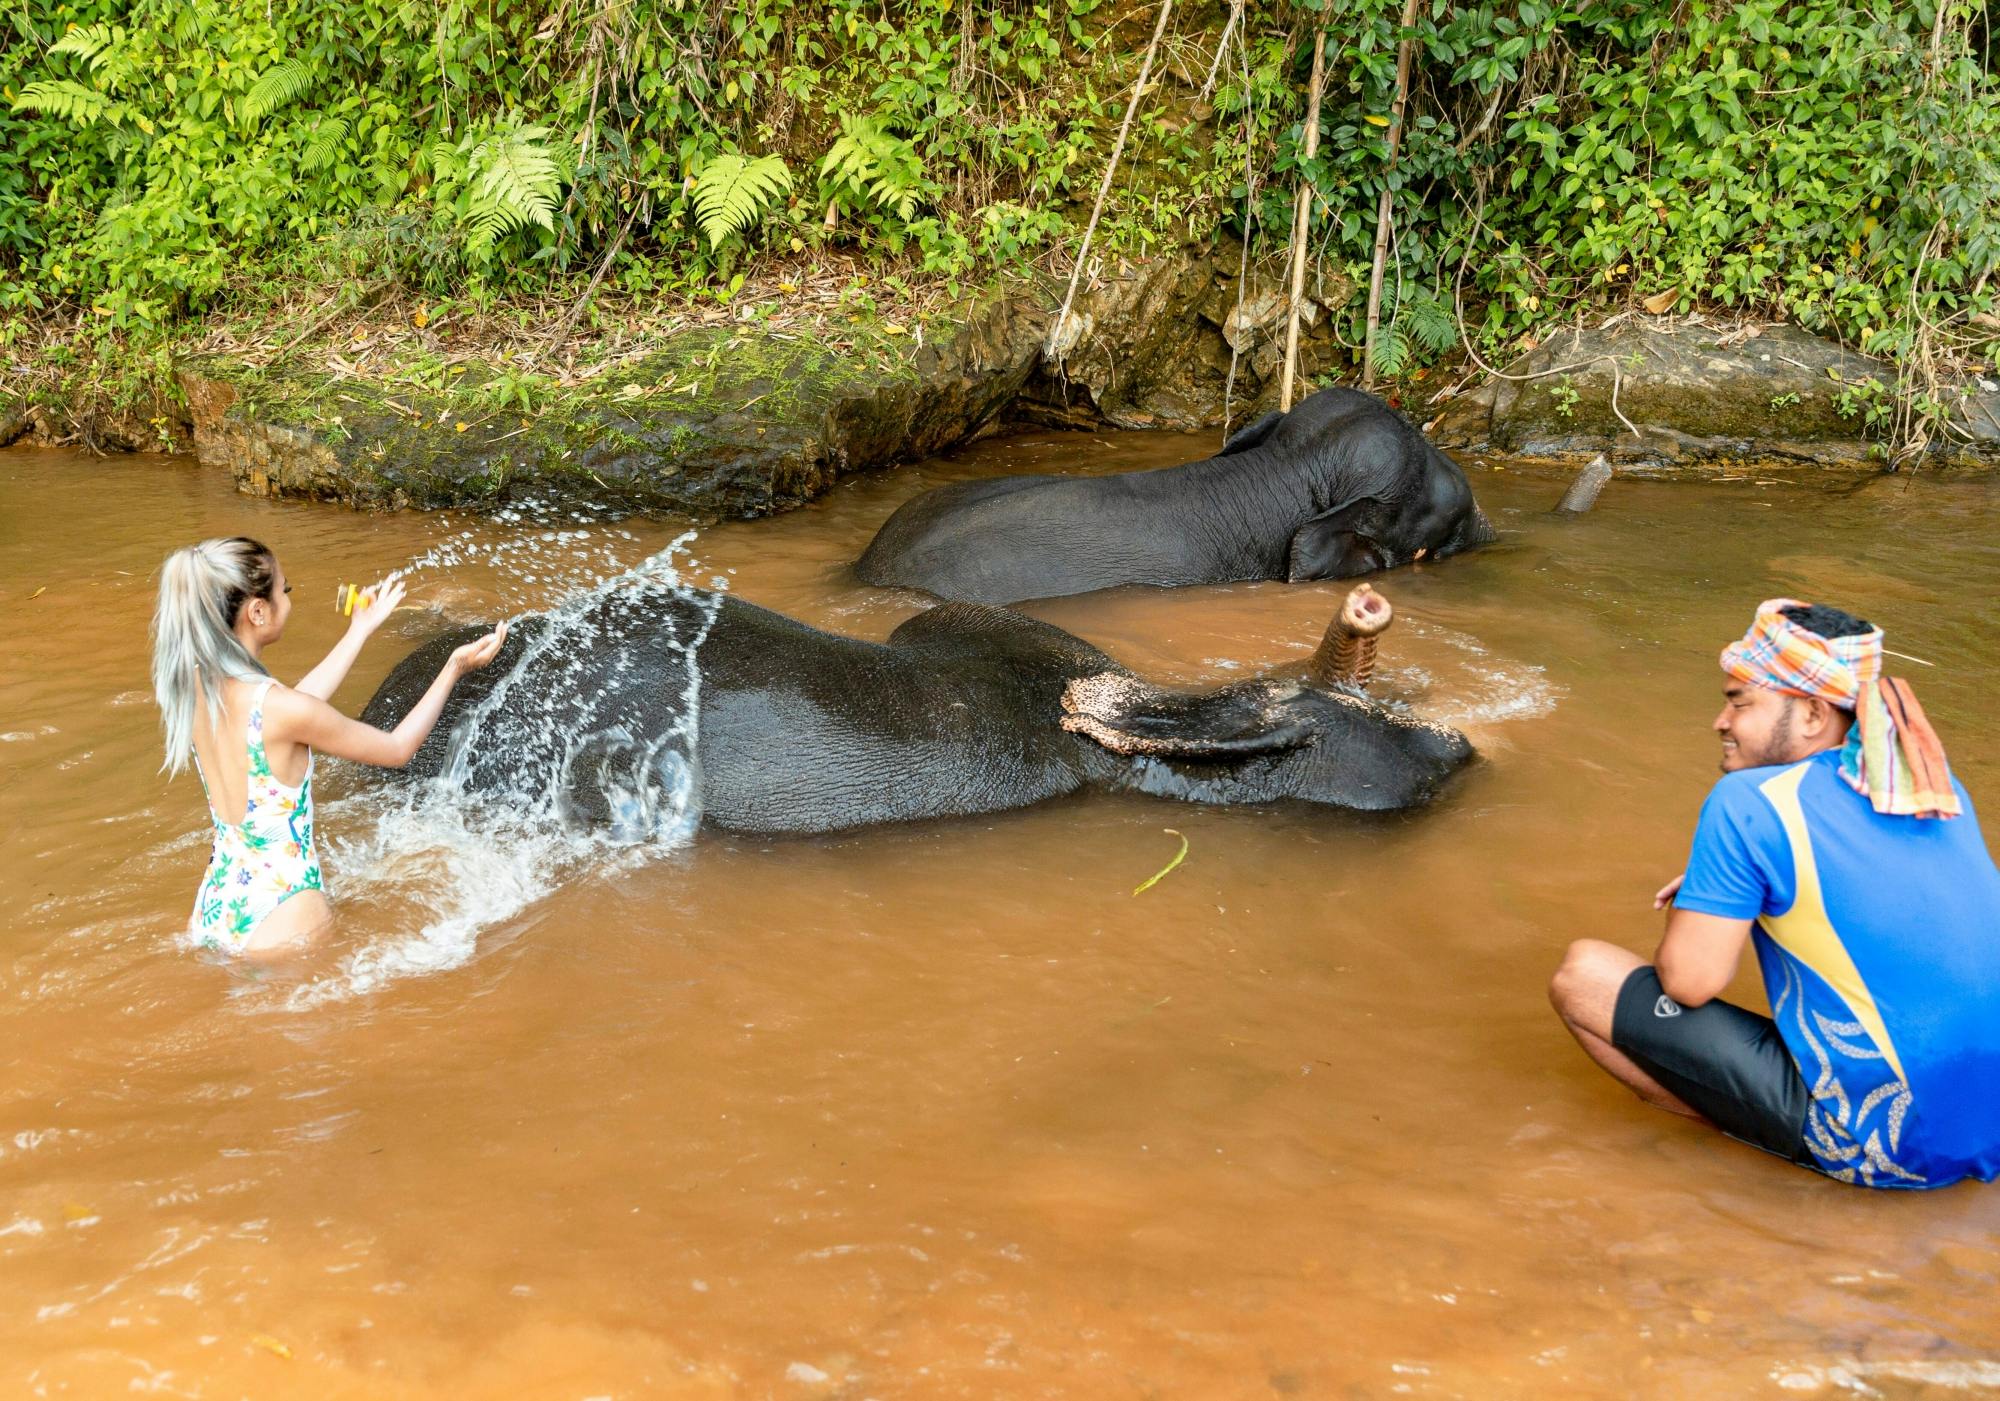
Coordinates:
[720,423]
[1693,393]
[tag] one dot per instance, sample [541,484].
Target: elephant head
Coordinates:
[1319,740]
[1361,516]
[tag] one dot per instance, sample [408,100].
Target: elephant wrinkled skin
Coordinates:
[1342,485]
[966,709]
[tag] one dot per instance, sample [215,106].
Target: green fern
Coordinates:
[733,191]
[517,180]
[447,160]
[90,42]
[72,101]
[494,182]
[327,134]
[1392,350]
[285,81]
[870,160]
[1432,326]
[852,159]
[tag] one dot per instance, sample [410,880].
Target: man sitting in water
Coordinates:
[1838,833]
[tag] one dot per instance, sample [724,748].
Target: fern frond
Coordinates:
[324,141]
[487,228]
[892,194]
[869,160]
[733,191]
[518,178]
[1431,324]
[853,157]
[283,82]
[1392,350]
[90,42]
[60,97]
[446,161]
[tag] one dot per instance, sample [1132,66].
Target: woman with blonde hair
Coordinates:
[221,603]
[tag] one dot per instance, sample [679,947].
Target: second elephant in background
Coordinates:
[1342,485]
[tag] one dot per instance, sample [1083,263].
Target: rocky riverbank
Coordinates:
[1659,391]
[747,415]
[764,403]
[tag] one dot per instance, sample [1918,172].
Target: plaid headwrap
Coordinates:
[1892,755]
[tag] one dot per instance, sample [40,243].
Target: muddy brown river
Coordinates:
[944,1110]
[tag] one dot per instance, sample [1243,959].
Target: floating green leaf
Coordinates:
[1157,876]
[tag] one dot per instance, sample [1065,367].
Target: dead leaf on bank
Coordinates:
[1658,303]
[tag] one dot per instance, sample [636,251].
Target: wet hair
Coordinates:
[203,589]
[1826,621]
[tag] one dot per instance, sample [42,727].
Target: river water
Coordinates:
[943,1110]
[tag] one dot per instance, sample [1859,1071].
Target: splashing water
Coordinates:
[1483,689]
[577,763]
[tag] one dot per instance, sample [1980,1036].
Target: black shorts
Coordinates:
[1727,1064]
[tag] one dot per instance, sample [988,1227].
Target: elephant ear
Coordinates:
[1251,434]
[1127,716]
[1333,546]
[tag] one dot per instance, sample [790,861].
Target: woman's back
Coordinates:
[263,886]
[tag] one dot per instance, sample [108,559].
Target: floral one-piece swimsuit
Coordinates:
[262,861]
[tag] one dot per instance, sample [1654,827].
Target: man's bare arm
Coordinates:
[1699,954]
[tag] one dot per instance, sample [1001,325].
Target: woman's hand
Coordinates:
[478,652]
[372,614]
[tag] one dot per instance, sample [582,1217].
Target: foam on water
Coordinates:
[1980,1375]
[1485,690]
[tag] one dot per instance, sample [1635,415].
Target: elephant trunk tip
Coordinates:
[1346,655]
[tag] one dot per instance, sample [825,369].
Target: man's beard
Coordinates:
[1777,748]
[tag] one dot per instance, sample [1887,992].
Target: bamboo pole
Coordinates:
[1301,209]
[1385,205]
[1060,339]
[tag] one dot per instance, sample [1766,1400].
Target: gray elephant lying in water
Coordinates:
[965,710]
[1340,486]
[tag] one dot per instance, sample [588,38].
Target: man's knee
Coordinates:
[1589,977]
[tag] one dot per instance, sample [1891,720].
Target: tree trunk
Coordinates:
[1384,205]
[1301,210]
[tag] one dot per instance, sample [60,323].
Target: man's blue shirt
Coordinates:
[1879,940]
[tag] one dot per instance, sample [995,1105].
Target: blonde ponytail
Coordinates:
[202,589]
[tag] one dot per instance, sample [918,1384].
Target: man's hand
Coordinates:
[1666,893]
[371,615]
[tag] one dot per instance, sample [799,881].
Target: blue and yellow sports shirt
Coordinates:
[1879,940]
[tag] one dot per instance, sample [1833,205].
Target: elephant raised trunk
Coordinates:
[1346,655]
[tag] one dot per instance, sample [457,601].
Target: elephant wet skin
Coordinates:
[966,709]
[1342,485]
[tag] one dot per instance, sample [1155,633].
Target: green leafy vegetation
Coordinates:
[175,162]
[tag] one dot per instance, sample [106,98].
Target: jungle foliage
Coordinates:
[1833,161]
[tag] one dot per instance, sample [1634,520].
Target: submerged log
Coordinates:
[1582,493]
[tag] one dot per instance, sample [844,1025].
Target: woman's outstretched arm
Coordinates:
[298,717]
[323,680]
